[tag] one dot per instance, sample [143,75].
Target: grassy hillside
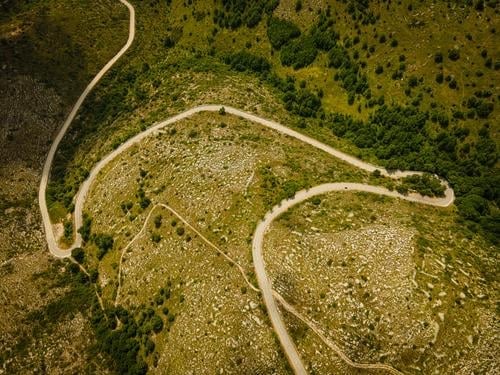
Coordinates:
[411,94]
[221,173]
[392,281]
[380,34]
[62,44]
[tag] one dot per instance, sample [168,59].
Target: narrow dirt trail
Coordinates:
[264,283]
[277,296]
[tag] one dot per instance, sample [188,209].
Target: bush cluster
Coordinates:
[281,31]
[425,184]
[299,53]
[104,243]
[298,101]
[360,10]
[246,61]
[235,13]
[349,72]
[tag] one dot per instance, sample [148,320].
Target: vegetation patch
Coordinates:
[236,13]
[281,31]
[400,136]
[243,61]
[299,53]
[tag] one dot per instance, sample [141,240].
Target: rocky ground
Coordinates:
[27,271]
[214,170]
[387,283]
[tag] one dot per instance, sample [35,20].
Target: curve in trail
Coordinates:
[85,187]
[266,285]
[194,230]
[49,234]
[332,345]
[277,296]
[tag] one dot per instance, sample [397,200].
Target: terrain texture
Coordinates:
[283,236]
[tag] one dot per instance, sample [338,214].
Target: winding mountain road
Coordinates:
[42,191]
[84,188]
[263,281]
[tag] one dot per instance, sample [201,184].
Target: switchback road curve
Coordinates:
[263,281]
